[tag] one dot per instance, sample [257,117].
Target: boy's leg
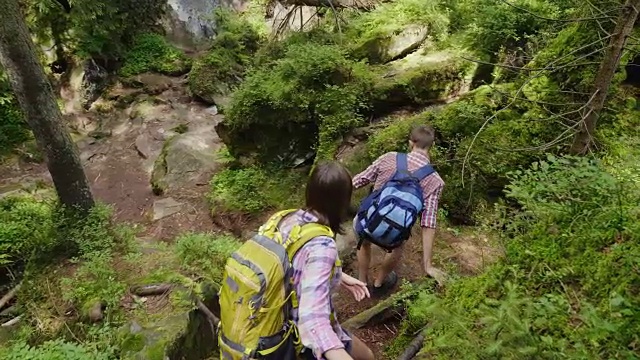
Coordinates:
[389,263]
[364,260]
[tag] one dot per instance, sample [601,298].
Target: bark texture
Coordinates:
[37,101]
[624,26]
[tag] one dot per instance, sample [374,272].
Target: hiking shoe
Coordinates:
[388,284]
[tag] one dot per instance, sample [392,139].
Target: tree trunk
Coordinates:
[338,4]
[628,16]
[36,98]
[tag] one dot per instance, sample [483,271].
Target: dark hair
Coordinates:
[328,194]
[422,136]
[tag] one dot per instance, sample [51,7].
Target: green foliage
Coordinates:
[572,250]
[254,189]
[33,228]
[368,34]
[53,350]
[26,227]
[151,52]
[300,103]
[95,281]
[13,128]
[98,29]
[206,254]
[496,26]
[223,67]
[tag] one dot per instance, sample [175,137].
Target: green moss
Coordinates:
[296,105]
[254,189]
[205,254]
[151,52]
[368,34]
[421,79]
[220,70]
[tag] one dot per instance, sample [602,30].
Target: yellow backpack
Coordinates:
[257,294]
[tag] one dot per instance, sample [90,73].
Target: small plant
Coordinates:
[254,189]
[53,350]
[151,52]
[205,254]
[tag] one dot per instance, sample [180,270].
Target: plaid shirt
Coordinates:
[312,267]
[381,171]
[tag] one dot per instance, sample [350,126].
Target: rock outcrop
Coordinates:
[186,158]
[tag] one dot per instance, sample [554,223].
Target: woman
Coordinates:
[328,196]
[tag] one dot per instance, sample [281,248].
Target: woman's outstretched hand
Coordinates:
[356,287]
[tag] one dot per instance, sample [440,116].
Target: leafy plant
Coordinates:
[53,350]
[254,189]
[151,52]
[571,249]
[206,254]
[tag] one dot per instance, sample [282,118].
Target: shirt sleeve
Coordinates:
[314,311]
[430,212]
[369,175]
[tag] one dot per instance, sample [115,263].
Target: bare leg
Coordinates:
[389,263]
[364,260]
[360,350]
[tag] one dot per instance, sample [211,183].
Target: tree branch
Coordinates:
[558,20]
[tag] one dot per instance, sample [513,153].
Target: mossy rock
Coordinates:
[422,79]
[183,334]
[388,47]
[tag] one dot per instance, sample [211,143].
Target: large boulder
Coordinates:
[422,79]
[186,158]
[388,47]
[189,24]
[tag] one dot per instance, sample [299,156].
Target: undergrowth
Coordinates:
[254,189]
[151,52]
[568,286]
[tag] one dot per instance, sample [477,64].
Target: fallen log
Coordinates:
[151,290]
[9,296]
[160,289]
[382,311]
[338,4]
[12,322]
[414,347]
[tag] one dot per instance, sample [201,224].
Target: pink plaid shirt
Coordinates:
[383,169]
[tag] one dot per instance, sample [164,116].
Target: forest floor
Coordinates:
[119,176]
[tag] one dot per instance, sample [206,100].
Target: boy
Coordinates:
[379,173]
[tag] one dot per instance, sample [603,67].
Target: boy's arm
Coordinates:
[428,224]
[369,175]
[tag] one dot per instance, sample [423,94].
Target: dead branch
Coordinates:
[414,347]
[539,73]
[12,321]
[338,4]
[151,290]
[559,20]
[9,296]
[584,138]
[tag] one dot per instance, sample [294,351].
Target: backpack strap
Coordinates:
[270,228]
[300,235]
[402,166]
[423,172]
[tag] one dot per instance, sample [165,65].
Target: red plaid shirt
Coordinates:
[383,169]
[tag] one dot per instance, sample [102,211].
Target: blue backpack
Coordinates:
[386,216]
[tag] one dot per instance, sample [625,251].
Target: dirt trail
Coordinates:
[457,251]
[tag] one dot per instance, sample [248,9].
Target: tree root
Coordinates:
[382,311]
[413,348]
